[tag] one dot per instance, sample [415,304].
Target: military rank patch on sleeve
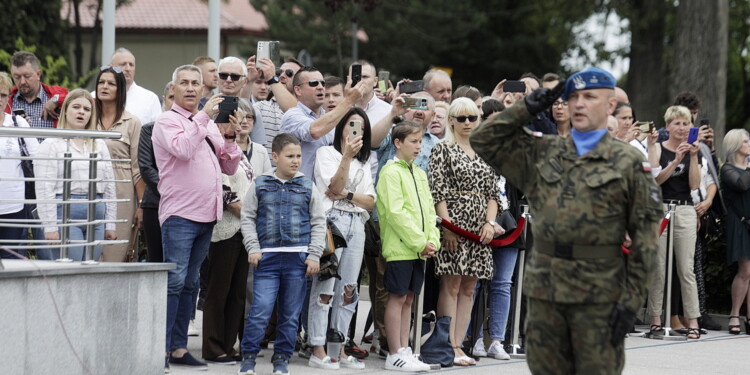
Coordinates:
[646,166]
[537,134]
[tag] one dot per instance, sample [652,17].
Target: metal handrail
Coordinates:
[64,221]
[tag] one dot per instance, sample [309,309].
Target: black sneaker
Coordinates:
[707,322]
[188,360]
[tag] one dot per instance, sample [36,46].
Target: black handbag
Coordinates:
[26,165]
[372,239]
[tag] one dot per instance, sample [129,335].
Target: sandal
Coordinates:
[656,330]
[734,329]
[693,333]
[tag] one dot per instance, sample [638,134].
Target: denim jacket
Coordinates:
[279,214]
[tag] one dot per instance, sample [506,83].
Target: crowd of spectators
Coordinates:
[246,203]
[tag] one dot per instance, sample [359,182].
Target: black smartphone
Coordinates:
[226,108]
[705,122]
[356,74]
[19,112]
[411,87]
[514,86]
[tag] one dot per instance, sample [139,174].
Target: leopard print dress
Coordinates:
[466,185]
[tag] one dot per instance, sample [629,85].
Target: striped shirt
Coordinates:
[34,109]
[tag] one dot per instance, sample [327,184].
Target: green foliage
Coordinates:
[55,70]
[482,40]
[738,66]
[38,22]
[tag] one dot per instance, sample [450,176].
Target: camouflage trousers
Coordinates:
[571,339]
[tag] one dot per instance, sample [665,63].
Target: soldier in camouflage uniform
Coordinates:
[585,193]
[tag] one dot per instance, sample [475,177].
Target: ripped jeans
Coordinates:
[352,228]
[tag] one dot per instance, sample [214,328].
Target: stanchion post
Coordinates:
[668,332]
[91,212]
[516,351]
[65,230]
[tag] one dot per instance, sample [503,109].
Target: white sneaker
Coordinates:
[192,331]
[478,349]
[326,363]
[401,362]
[414,358]
[351,362]
[497,351]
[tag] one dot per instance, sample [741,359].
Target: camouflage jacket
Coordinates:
[586,202]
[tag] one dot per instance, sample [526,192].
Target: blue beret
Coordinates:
[591,78]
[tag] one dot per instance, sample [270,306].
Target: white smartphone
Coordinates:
[355,129]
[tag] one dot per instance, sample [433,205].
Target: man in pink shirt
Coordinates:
[191,153]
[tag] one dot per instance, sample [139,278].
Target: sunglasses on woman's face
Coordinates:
[234,77]
[289,73]
[464,118]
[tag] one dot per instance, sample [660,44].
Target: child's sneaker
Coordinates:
[478,349]
[247,367]
[280,365]
[497,351]
[352,362]
[326,363]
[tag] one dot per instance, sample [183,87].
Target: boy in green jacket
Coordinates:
[409,235]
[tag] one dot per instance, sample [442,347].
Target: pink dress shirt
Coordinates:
[189,173]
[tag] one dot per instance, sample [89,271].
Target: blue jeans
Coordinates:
[499,294]
[352,228]
[279,275]
[80,212]
[185,244]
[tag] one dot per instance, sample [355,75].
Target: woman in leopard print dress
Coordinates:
[464,189]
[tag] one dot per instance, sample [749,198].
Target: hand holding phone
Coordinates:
[356,74]
[355,129]
[226,108]
[514,86]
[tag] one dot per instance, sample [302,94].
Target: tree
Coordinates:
[37,22]
[700,57]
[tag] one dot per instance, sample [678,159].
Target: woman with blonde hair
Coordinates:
[465,192]
[78,113]
[735,180]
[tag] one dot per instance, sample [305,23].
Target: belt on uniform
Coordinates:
[679,202]
[569,251]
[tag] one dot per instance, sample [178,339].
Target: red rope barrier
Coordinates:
[475,237]
[662,227]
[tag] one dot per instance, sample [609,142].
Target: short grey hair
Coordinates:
[431,74]
[233,60]
[187,67]
[732,142]
[121,50]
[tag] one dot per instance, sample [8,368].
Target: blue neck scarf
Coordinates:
[586,141]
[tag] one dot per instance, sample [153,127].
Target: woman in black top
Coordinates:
[680,174]
[735,180]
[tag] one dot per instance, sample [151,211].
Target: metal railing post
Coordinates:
[516,351]
[668,332]
[65,230]
[91,212]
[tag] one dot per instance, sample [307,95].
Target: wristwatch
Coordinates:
[274,79]
[349,196]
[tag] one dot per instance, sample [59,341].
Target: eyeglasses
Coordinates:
[107,67]
[234,77]
[313,83]
[464,118]
[289,73]
[560,104]
[250,117]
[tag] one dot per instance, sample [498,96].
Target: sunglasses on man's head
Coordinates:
[464,118]
[234,77]
[313,83]
[114,68]
[289,73]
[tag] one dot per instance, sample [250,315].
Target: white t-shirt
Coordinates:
[11,168]
[359,181]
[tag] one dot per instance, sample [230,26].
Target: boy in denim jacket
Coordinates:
[283,225]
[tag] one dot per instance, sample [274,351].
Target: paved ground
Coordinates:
[715,353]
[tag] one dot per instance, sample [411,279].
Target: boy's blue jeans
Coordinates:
[283,275]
